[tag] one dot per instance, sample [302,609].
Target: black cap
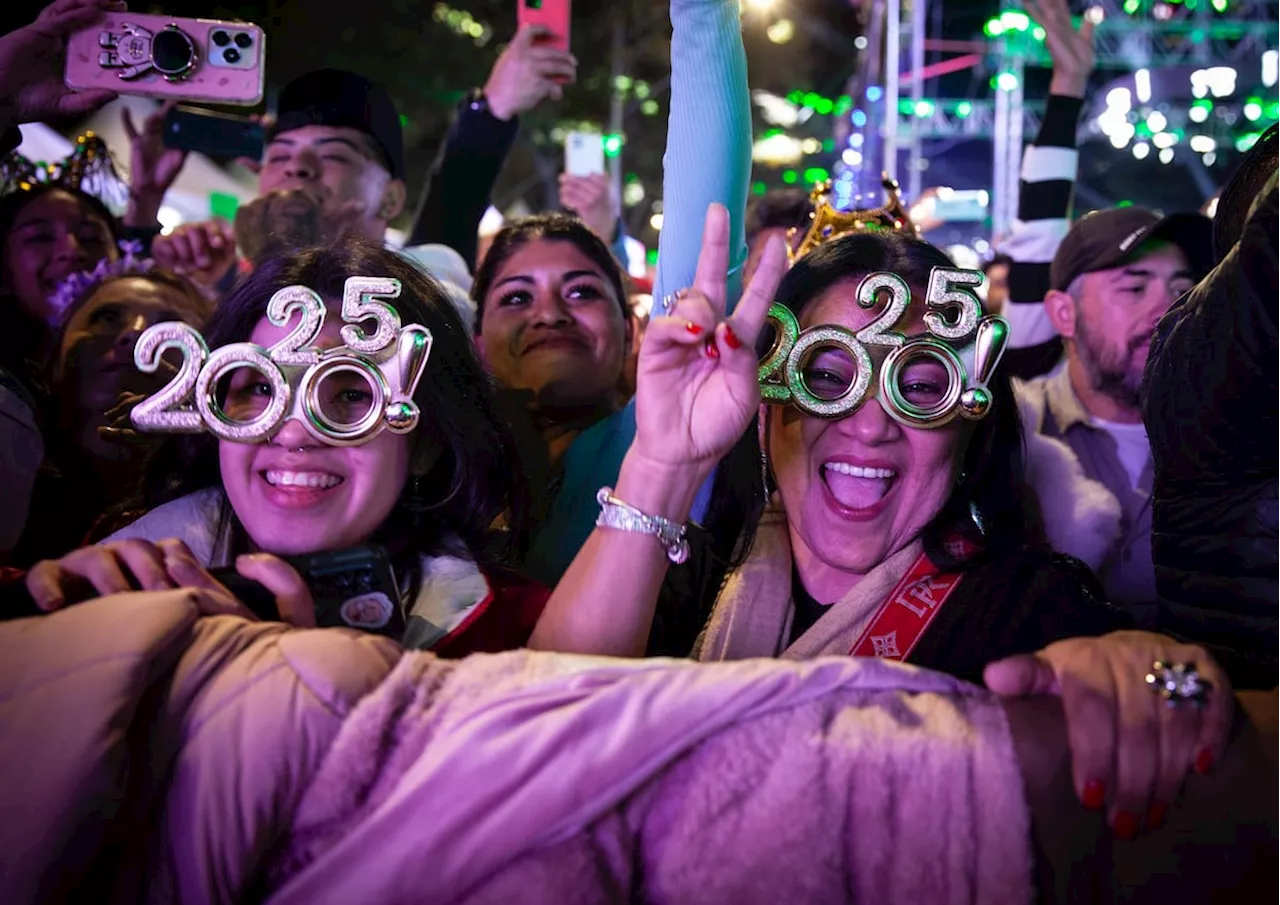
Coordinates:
[1105,239]
[332,97]
[1242,189]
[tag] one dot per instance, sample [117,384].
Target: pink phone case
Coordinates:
[162,56]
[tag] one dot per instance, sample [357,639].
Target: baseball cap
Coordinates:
[1105,239]
[1242,189]
[333,97]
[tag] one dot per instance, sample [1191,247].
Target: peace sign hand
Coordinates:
[697,384]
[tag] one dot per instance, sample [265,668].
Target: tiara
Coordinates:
[88,168]
[77,286]
[827,223]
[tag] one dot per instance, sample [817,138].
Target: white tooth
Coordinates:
[302,479]
[857,471]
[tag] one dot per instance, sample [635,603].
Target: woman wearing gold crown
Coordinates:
[874,506]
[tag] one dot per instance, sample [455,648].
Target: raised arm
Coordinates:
[708,156]
[1049,168]
[697,390]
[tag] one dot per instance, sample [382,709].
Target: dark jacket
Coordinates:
[461,180]
[1006,604]
[1211,414]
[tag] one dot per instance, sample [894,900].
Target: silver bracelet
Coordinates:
[618,515]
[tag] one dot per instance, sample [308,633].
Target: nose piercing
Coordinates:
[298,449]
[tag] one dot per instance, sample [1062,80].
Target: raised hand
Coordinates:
[1071,49]
[527,72]
[152,166]
[31,63]
[697,384]
[591,198]
[203,252]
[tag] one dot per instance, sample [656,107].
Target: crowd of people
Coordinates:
[1053,499]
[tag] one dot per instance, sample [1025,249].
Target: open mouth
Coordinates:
[858,489]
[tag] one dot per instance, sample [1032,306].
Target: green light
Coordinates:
[811,99]
[1219,6]
[1038,33]
[814,175]
[1273,110]
[829,145]
[1015,20]
[789,177]
[404,121]
[758,188]
[612,145]
[1247,141]
[796,97]
[963,109]
[651,257]
[844,104]
[823,107]
[994,28]
[1006,81]
[924,108]
[906,107]
[649,107]
[642,90]
[622,83]
[1252,109]
[1131,6]
[1125,203]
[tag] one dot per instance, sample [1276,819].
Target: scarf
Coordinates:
[752,616]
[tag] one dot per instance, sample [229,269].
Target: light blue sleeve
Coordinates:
[708,155]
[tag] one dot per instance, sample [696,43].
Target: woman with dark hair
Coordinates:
[93,383]
[429,493]
[553,328]
[874,507]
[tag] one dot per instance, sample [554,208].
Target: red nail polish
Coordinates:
[1126,825]
[1156,815]
[731,338]
[1095,794]
[692,327]
[1204,761]
[712,351]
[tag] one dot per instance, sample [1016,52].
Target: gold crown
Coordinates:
[827,223]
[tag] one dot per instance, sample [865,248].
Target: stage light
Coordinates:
[1141,149]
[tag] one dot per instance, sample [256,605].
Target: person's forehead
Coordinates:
[838,305]
[316,134]
[1154,256]
[55,206]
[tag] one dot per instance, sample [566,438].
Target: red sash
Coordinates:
[911,607]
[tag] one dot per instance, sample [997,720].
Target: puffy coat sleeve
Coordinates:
[1211,381]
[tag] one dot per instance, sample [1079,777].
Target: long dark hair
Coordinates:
[476,478]
[552,228]
[994,463]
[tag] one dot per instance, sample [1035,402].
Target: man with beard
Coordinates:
[1114,276]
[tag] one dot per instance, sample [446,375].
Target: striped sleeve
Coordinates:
[1044,215]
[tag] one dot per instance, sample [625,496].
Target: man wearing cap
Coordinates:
[334,163]
[1113,277]
[1212,408]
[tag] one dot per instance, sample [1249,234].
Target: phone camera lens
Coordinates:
[244,41]
[231,55]
[221,38]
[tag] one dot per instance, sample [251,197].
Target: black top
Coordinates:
[1006,604]
[1212,416]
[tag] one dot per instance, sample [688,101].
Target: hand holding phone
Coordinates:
[162,56]
[553,15]
[526,72]
[353,588]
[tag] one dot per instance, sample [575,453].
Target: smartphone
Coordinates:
[584,154]
[215,134]
[953,206]
[552,15]
[166,57]
[353,588]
